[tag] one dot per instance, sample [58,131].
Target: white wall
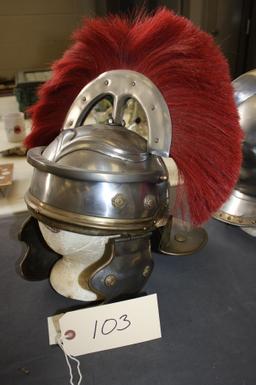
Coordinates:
[33,33]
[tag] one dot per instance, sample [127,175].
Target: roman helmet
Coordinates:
[99,189]
[240,208]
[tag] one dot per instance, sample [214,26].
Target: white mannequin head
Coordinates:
[79,251]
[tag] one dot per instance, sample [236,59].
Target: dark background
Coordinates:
[231,22]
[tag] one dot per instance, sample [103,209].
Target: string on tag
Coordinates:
[72,358]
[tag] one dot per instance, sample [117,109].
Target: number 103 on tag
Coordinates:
[110,326]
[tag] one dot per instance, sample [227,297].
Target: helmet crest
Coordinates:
[191,73]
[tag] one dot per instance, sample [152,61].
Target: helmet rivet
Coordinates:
[106,82]
[110,280]
[156,140]
[149,201]
[119,201]
[180,237]
[70,123]
[146,271]
[133,83]
[153,108]
[84,99]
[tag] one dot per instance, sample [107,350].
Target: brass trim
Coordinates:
[234,219]
[41,209]
[86,276]
[182,243]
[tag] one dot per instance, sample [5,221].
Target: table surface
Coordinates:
[207,305]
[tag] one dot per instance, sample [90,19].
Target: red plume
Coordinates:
[193,76]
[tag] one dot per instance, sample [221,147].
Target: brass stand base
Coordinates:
[176,240]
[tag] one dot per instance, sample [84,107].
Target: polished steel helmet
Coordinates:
[105,181]
[104,178]
[240,208]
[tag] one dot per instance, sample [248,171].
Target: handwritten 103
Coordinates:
[110,325]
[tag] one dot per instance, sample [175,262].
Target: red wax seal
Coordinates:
[17,129]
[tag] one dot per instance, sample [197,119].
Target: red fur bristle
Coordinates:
[193,76]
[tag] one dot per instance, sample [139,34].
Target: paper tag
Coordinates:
[107,326]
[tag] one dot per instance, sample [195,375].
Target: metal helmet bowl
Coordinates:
[105,178]
[240,208]
[98,179]
[103,181]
